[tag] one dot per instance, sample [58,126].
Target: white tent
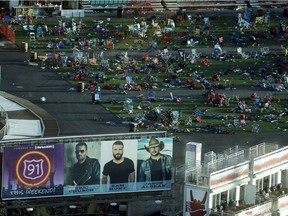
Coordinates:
[19,128]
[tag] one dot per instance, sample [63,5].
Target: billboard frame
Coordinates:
[73,139]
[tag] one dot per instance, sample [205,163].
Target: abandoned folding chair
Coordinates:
[259,20]
[255,128]
[192,42]
[198,119]
[165,39]
[253,54]
[32,36]
[151,96]
[110,43]
[188,121]
[105,63]
[181,54]
[236,123]
[195,53]
[206,21]
[241,53]
[257,102]
[242,122]
[264,50]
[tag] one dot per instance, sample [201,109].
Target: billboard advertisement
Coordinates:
[154,162]
[32,171]
[196,202]
[82,168]
[87,168]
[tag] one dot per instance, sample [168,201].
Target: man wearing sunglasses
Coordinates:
[87,170]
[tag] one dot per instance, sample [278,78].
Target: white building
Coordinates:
[239,182]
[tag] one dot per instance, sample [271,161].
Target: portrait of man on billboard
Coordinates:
[119,172]
[157,167]
[82,165]
[86,171]
[120,169]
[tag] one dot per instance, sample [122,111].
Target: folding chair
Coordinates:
[32,36]
[151,96]
[195,53]
[110,44]
[198,119]
[129,80]
[40,32]
[255,128]
[242,122]
[206,21]
[253,54]
[259,20]
[105,63]
[96,96]
[181,53]
[257,101]
[188,121]
[179,18]
[165,39]
[241,53]
[264,50]
[236,123]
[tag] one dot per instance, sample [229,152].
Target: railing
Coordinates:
[118,2]
[236,212]
[262,149]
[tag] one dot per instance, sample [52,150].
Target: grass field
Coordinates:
[233,71]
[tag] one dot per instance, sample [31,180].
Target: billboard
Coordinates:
[32,171]
[87,168]
[196,202]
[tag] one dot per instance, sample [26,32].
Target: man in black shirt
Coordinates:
[87,170]
[120,169]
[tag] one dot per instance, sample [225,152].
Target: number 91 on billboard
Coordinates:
[32,171]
